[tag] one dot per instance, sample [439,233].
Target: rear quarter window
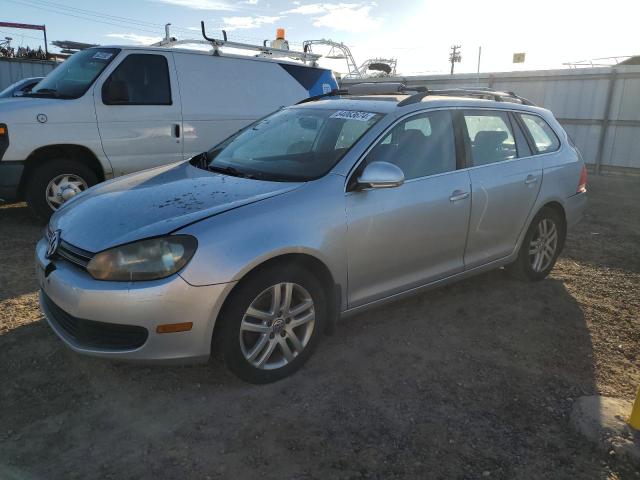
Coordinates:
[544,138]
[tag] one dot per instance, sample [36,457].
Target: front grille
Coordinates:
[70,253]
[92,334]
[73,254]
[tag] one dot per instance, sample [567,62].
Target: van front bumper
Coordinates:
[10,176]
[118,320]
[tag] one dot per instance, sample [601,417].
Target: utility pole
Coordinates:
[454,56]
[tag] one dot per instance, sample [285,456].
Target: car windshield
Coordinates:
[72,78]
[292,145]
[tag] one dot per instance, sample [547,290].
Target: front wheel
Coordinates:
[271,324]
[541,246]
[56,182]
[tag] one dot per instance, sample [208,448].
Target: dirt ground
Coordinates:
[475,380]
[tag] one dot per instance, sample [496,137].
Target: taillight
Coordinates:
[582,184]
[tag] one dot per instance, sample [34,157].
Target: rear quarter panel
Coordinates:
[560,177]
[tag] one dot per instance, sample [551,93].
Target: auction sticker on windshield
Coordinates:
[103,55]
[351,115]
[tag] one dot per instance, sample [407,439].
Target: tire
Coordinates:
[41,177]
[536,266]
[236,344]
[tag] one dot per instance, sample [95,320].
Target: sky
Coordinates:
[418,33]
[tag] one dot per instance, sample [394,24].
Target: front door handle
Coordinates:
[458,195]
[176,130]
[530,179]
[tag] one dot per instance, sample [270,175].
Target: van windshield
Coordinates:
[292,145]
[73,77]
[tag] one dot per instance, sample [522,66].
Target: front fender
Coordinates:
[309,220]
[35,123]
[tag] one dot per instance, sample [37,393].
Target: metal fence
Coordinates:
[599,107]
[13,69]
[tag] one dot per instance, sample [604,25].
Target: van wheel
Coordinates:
[271,324]
[540,248]
[55,182]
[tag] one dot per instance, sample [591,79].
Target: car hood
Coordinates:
[154,202]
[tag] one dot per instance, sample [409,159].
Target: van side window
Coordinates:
[422,145]
[141,79]
[490,137]
[543,136]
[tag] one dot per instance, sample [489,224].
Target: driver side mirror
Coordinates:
[381,175]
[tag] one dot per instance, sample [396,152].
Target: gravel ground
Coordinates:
[475,380]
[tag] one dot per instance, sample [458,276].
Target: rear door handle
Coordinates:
[531,179]
[176,130]
[458,195]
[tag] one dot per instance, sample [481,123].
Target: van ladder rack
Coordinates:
[216,43]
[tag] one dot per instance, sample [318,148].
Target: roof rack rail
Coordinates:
[332,93]
[478,92]
[215,44]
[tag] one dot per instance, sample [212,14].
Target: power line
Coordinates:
[93,13]
[119,21]
[80,17]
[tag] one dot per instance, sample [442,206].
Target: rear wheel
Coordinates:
[54,183]
[541,246]
[272,323]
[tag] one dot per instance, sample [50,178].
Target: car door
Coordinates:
[505,181]
[403,237]
[139,113]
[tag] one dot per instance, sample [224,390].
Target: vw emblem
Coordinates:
[41,117]
[54,241]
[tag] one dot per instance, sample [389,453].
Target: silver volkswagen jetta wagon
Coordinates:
[253,249]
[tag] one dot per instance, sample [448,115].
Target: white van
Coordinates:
[109,111]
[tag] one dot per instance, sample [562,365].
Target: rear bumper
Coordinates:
[574,208]
[10,176]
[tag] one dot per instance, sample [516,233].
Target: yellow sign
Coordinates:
[518,58]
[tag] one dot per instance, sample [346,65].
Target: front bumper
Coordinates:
[141,304]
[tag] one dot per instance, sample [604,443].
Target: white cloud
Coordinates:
[251,2]
[135,38]
[351,17]
[310,9]
[244,23]
[200,4]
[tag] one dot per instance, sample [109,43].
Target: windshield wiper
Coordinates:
[201,161]
[46,92]
[231,171]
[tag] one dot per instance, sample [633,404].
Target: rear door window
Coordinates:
[490,137]
[542,134]
[141,79]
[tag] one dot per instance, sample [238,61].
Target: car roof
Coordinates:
[386,103]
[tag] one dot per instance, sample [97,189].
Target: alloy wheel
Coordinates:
[543,245]
[277,326]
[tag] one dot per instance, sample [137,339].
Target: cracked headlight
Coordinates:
[149,259]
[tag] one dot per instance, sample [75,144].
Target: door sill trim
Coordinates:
[428,286]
